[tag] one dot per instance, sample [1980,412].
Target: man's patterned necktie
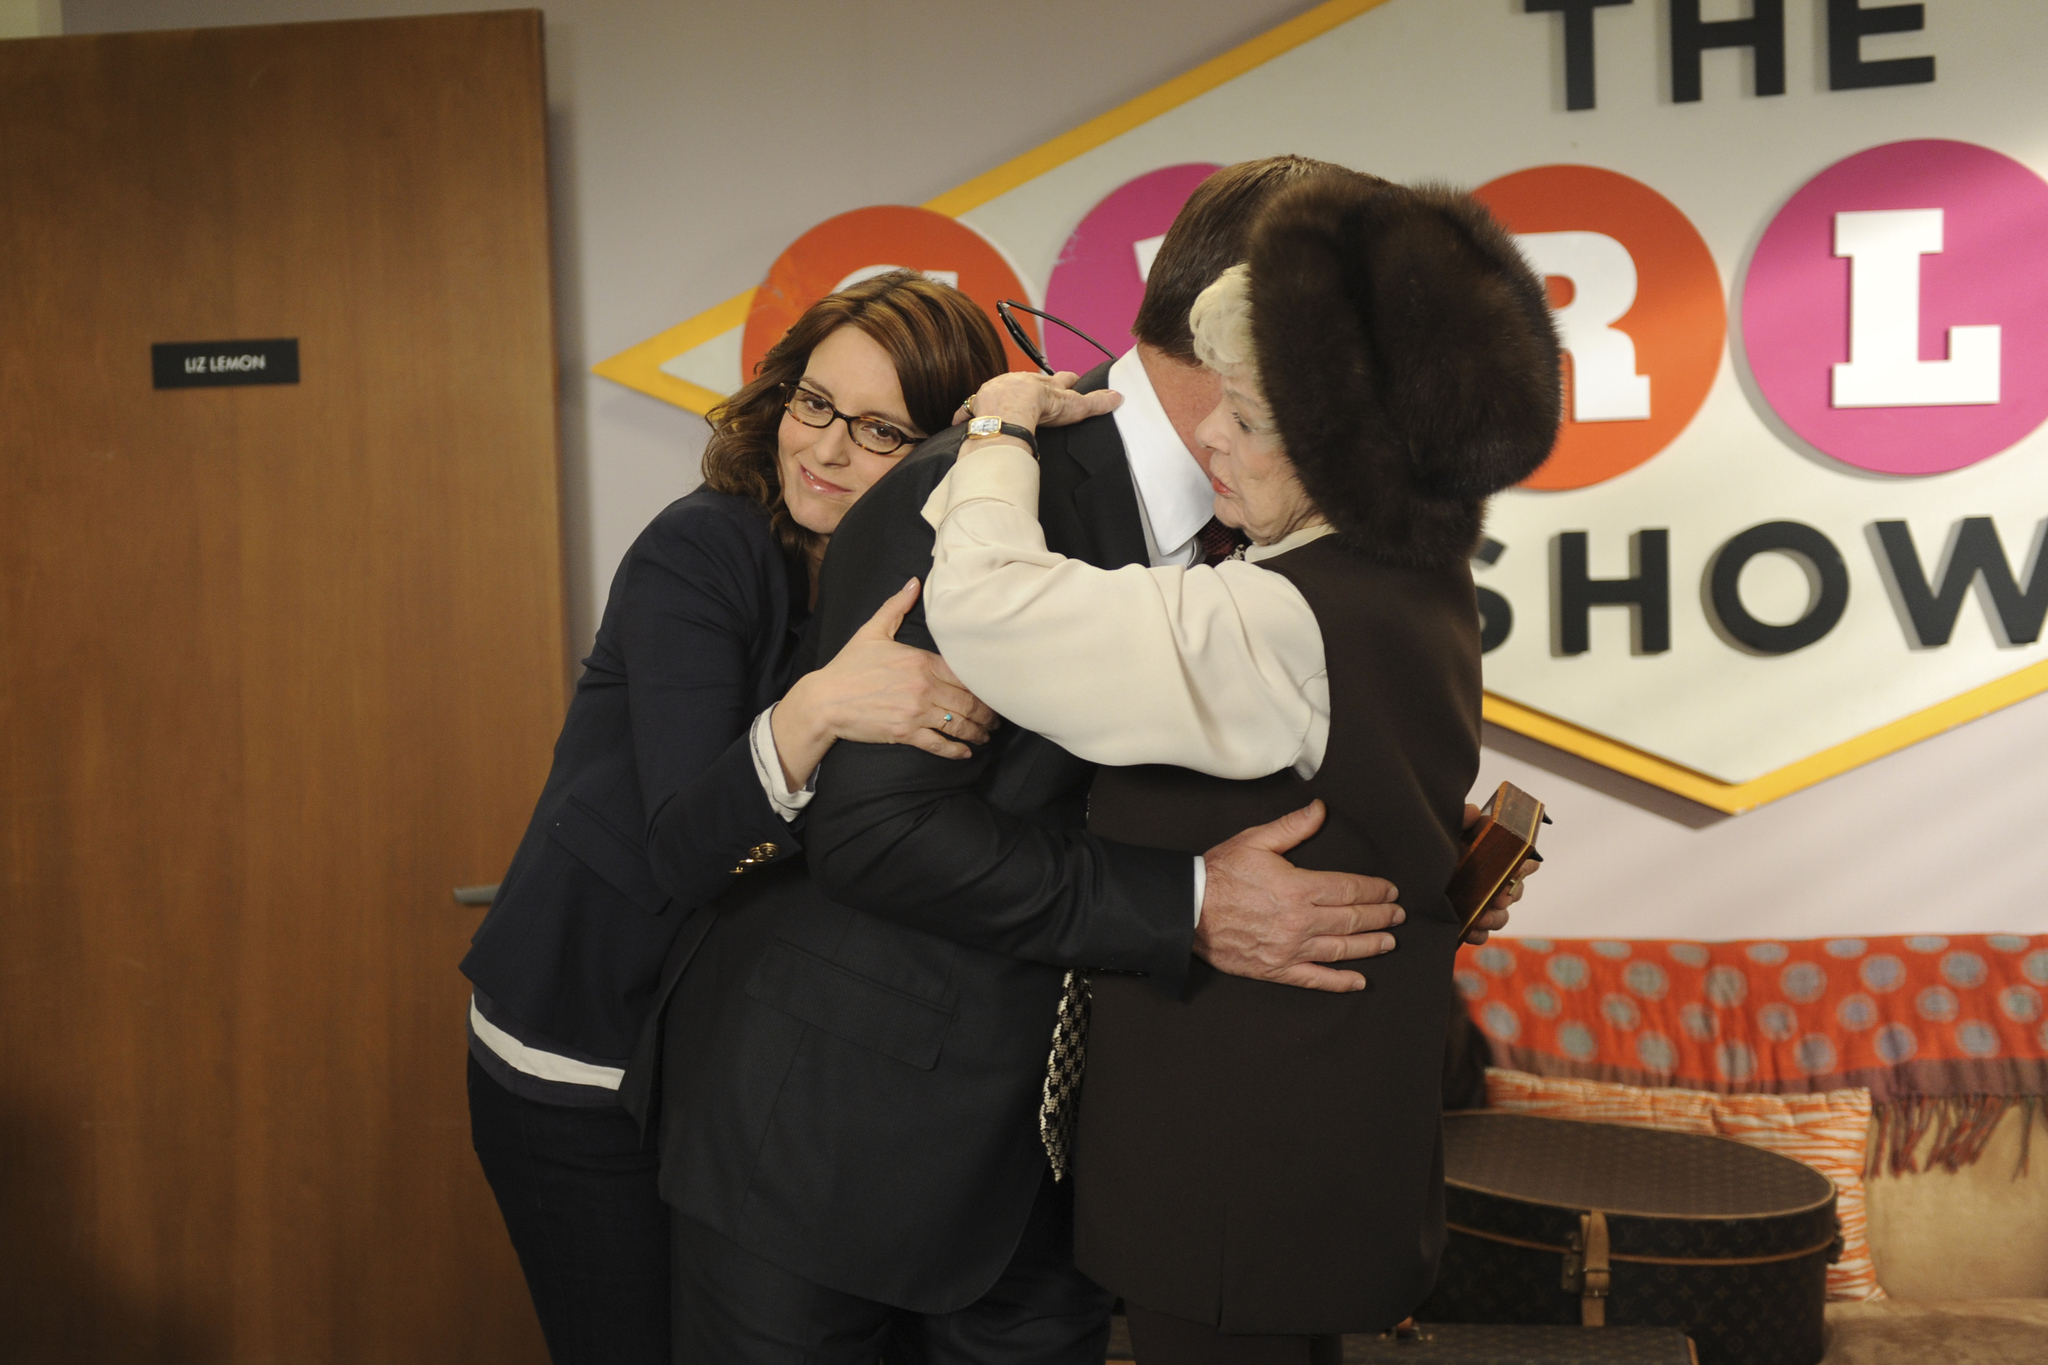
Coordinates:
[1070,1031]
[1218,542]
[1063,1072]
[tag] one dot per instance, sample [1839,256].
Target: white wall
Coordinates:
[676,129]
[30,18]
[692,141]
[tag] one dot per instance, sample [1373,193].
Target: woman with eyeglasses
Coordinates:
[683,764]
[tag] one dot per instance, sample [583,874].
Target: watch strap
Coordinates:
[986,428]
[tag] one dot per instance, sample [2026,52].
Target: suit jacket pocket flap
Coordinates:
[608,853]
[850,1006]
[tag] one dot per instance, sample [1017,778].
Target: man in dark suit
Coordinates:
[854,1064]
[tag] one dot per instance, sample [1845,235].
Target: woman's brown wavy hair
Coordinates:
[943,346]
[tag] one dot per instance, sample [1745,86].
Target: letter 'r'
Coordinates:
[1605,385]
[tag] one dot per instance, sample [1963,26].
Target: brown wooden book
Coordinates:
[1501,842]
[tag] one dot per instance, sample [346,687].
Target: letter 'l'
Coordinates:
[1884,369]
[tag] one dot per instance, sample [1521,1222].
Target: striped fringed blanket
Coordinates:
[1946,1032]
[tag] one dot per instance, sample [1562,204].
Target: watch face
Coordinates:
[985,426]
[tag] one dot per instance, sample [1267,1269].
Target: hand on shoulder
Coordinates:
[1033,400]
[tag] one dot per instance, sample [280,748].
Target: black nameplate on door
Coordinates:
[216,364]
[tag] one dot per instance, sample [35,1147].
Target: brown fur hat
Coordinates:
[1408,355]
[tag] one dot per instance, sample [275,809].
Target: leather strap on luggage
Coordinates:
[1589,1261]
[1586,1270]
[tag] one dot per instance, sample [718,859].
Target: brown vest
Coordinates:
[1267,1158]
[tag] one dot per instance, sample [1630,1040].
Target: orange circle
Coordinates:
[1677,322]
[866,241]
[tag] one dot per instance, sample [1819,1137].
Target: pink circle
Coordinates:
[1992,269]
[1095,283]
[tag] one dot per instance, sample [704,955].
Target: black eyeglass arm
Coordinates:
[1037,356]
[1016,332]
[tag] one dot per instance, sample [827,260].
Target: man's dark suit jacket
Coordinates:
[853,1061]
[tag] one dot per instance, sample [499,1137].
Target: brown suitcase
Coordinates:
[1559,1222]
[1468,1344]
[1465,1344]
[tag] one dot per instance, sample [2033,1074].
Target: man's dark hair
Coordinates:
[1209,236]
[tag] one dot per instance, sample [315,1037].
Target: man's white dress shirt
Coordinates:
[1174,498]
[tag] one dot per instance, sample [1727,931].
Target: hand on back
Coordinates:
[876,691]
[1265,918]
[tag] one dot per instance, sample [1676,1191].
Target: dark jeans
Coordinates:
[577,1188]
[734,1308]
[1157,1339]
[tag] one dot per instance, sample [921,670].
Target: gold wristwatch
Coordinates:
[983,428]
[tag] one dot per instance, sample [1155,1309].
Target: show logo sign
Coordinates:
[1794,519]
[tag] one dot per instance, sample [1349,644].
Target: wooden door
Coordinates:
[279,667]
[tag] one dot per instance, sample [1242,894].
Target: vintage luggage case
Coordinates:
[1471,1344]
[1563,1222]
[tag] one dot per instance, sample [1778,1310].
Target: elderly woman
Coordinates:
[1259,1169]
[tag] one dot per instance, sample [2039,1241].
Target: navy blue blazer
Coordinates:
[700,634]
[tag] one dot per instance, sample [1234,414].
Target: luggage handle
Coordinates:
[1587,1272]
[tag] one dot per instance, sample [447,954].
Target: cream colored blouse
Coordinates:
[1216,669]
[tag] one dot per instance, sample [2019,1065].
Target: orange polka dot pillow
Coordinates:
[1827,1130]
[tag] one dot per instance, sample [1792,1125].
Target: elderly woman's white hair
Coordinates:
[1221,321]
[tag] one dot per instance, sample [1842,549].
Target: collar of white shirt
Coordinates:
[1174,496]
[1293,540]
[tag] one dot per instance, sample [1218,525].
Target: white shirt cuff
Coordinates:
[768,768]
[1201,888]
